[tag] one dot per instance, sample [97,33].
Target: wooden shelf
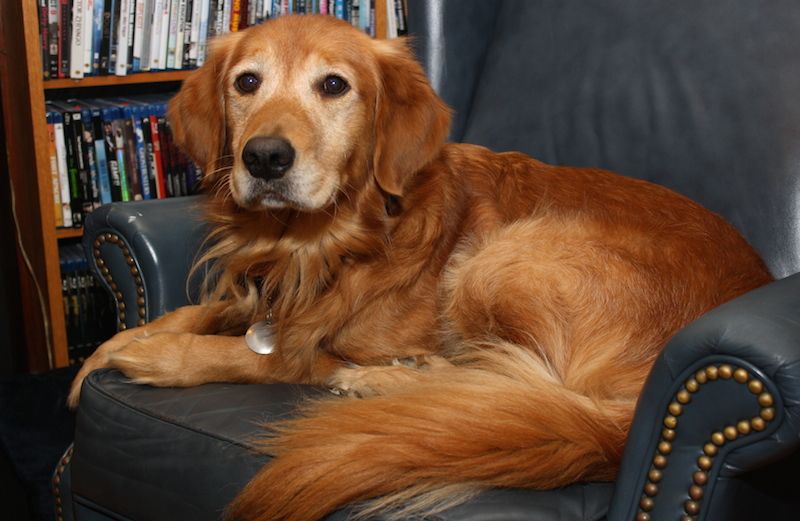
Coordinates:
[111,80]
[44,327]
[68,233]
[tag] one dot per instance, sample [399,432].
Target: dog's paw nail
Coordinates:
[408,361]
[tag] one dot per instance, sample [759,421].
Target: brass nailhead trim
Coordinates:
[743,427]
[765,400]
[113,238]
[700,477]
[717,439]
[62,465]
[741,376]
[660,461]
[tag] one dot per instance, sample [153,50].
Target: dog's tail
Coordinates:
[501,420]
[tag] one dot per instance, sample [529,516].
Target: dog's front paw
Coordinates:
[160,360]
[100,359]
[97,361]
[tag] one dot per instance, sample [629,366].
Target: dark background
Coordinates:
[35,426]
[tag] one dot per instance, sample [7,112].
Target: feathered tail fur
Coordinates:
[501,419]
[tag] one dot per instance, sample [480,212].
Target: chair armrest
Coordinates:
[62,487]
[722,401]
[142,252]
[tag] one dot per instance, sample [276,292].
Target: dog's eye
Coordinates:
[247,83]
[334,85]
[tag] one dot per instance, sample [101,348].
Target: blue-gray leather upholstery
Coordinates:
[161,247]
[761,332]
[699,96]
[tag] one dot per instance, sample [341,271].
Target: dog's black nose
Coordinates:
[268,157]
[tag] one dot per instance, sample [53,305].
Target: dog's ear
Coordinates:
[411,121]
[196,112]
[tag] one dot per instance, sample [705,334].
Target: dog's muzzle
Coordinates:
[268,158]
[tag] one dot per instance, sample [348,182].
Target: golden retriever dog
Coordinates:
[489,319]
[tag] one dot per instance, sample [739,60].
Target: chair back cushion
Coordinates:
[703,97]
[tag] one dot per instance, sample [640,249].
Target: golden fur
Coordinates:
[527,301]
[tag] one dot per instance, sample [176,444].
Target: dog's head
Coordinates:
[306,107]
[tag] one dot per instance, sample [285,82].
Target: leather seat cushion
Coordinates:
[200,445]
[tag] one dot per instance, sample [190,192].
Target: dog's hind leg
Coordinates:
[368,381]
[559,289]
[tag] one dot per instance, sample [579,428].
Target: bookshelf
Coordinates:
[106,81]
[23,92]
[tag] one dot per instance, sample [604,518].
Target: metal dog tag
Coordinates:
[260,337]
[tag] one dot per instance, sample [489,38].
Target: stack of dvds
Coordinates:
[121,149]
[88,309]
[101,37]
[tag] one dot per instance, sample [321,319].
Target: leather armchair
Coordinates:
[699,96]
